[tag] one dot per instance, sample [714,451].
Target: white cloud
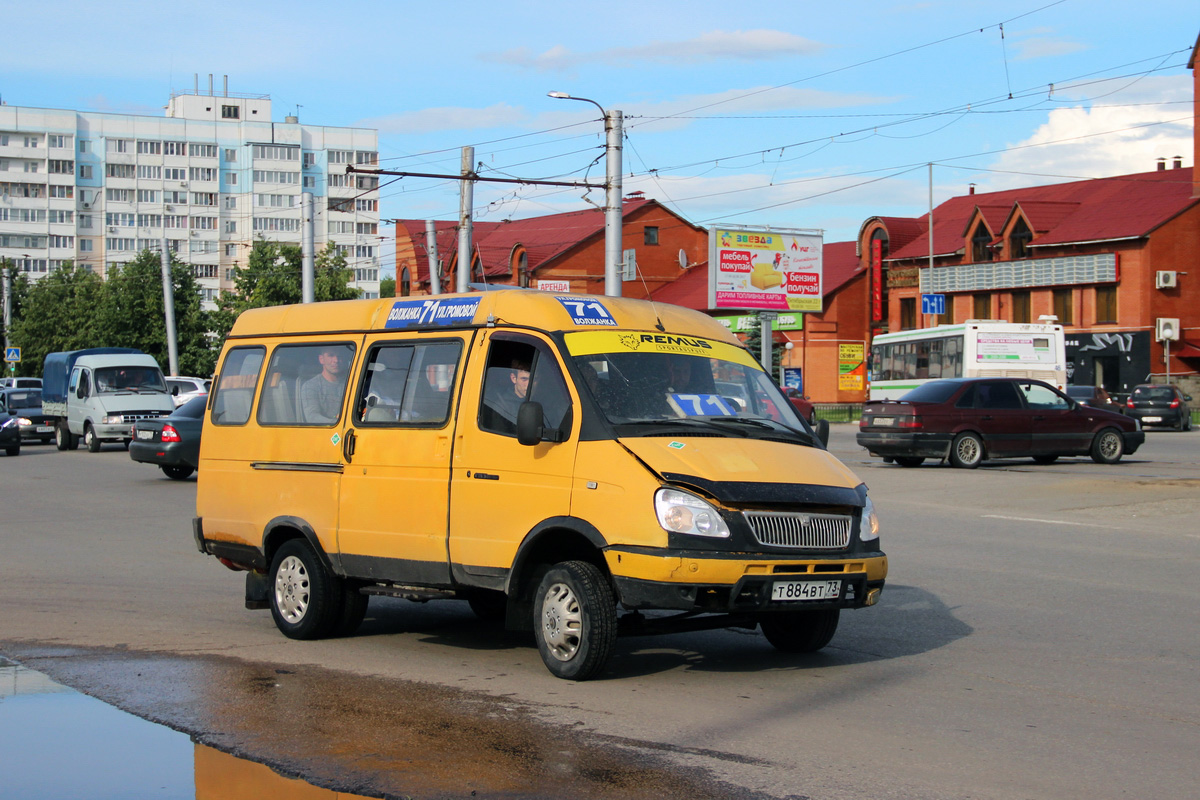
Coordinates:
[751,45]
[448,118]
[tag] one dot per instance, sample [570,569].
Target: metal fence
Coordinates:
[838,412]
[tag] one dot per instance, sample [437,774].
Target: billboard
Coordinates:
[764,269]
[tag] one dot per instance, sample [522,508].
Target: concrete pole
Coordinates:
[6,290]
[765,318]
[466,201]
[169,309]
[307,243]
[431,249]
[613,210]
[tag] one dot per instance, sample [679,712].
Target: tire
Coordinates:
[1045,459]
[90,439]
[353,609]
[574,620]
[63,439]
[909,461]
[1108,447]
[488,606]
[305,599]
[177,472]
[15,450]
[967,451]
[800,631]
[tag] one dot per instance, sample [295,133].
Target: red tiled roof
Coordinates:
[1103,209]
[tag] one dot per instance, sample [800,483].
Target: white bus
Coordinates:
[903,361]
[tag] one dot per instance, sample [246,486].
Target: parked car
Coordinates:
[183,388]
[171,442]
[803,406]
[1096,396]
[20,383]
[969,420]
[10,434]
[1160,404]
[26,405]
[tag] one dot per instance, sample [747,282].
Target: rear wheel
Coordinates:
[575,620]
[177,472]
[967,451]
[63,439]
[90,439]
[304,602]
[800,631]
[909,461]
[1045,459]
[1108,447]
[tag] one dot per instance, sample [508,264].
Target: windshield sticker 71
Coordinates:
[587,312]
[432,313]
[700,405]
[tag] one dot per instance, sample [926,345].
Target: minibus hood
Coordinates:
[747,470]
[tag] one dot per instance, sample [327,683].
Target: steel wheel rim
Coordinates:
[1110,445]
[562,622]
[292,589]
[968,450]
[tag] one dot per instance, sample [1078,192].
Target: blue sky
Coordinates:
[798,115]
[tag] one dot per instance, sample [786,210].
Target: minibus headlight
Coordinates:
[113,419]
[868,530]
[683,512]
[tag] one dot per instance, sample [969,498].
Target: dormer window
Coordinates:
[1018,240]
[980,251]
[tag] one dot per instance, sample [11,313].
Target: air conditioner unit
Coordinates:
[170,208]
[112,230]
[1166,328]
[86,205]
[183,183]
[1165,279]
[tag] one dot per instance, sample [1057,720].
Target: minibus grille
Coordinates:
[134,416]
[808,531]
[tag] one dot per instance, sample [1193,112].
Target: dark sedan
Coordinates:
[27,405]
[1162,404]
[172,442]
[10,434]
[968,420]
[1096,396]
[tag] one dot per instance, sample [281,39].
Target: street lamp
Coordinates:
[613,216]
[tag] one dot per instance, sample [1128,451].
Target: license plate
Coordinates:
[1151,419]
[145,434]
[884,422]
[45,429]
[806,590]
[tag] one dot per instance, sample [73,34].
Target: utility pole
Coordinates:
[466,199]
[307,259]
[6,290]
[431,250]
[613,211]
[169,308]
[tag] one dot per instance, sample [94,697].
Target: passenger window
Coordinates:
[1043,397]
[305,384]
[997,396]
[235,386]
[409,384]
[517,372]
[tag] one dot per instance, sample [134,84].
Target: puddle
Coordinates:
[223,728]
[58,743]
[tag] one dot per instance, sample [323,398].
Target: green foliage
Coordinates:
[59,312]
[753,343]
[387,287]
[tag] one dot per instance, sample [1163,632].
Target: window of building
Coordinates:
[908,313]
[650,235]
[405,282]
[230,226]
[309,159]
[119,145]
[979,244]
[1020,307]
[981,306]
[174,148]
[231,155]
[149,148]
[523,270]
[1106,304]
[202,150]
[231,112]
[85,145]
[1064,306]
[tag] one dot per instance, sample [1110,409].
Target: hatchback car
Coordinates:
[26,405]
[171,442]
[183,388]
[1162,404]
[1096,396]
[969,420]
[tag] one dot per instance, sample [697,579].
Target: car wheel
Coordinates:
[63,439]
[575,620]
[488,605]
[909,461]
[800,631]
[90,439]
[1108,447]
[1188,425]
[304,602]
[15,450]
[1045,459]
[177,472]
[967,451]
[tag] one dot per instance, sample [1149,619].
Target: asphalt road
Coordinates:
[1037,639]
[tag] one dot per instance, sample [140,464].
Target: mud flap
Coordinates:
[257,587]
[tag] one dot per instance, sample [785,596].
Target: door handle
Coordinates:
[348,446]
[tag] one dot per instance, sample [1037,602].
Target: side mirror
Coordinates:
[529,423]
[822,428]
[81,391]
[175,391]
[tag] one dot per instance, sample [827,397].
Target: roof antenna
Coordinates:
[657,319]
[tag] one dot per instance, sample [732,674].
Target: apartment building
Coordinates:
[211,176]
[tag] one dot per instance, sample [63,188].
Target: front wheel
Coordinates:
[304,597]
[575,620]
[15,450]
[800,631]
[967,451]
[90,439]
[177,472]
[1108,447]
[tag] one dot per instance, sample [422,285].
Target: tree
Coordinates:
[753,342]
[59,312]
[387,287]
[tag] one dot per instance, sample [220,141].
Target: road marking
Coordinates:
[1049,521]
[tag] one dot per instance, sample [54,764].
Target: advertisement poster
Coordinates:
[852,366]
[764,270]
